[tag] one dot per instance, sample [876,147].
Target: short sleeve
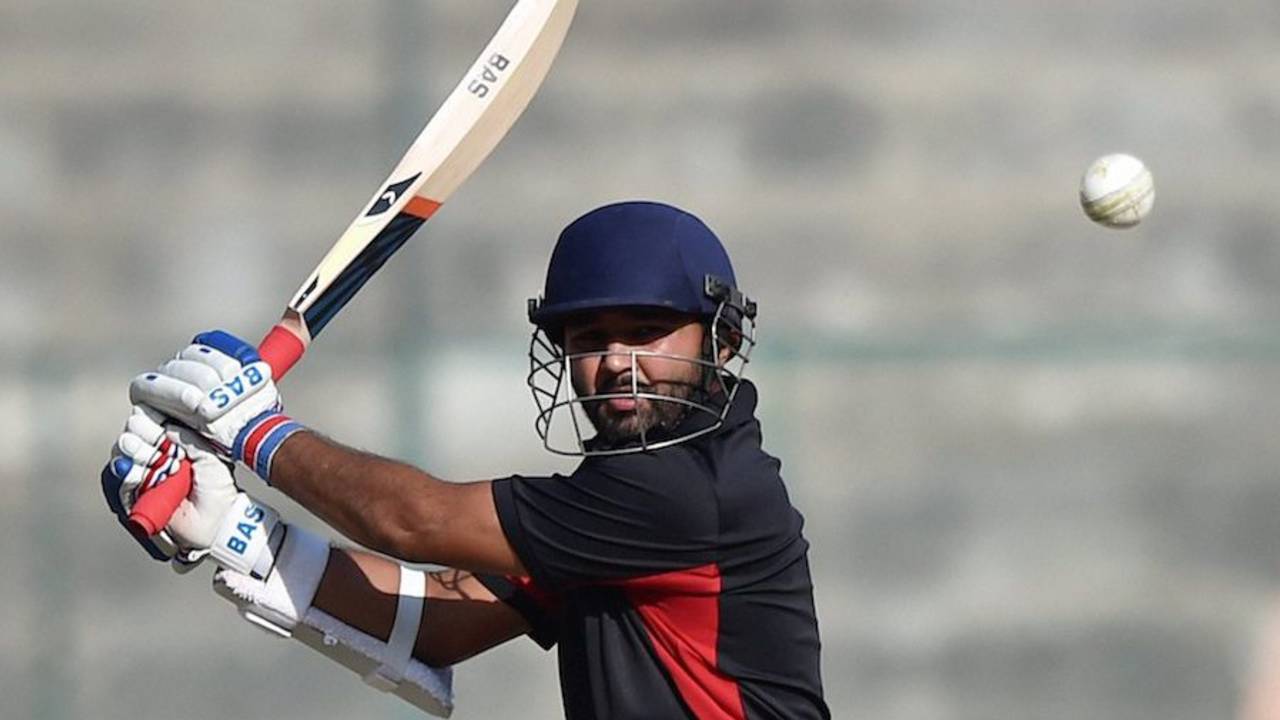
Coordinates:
[538,608]
[613,519]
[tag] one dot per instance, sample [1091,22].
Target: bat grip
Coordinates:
[281,349]
[154,507]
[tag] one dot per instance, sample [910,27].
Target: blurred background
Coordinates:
[1036,457]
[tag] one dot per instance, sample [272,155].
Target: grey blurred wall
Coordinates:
[1036,457]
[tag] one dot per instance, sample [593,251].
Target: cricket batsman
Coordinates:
[668,569]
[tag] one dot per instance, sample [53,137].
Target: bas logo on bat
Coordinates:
[488,75]
[390,196]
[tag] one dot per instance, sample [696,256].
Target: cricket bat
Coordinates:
[475,116]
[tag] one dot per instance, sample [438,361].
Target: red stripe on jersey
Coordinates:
[681,612]
[543,599]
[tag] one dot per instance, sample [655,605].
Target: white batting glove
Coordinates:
[220,388]
[145,461]
[216,519]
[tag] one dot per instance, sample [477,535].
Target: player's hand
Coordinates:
[219,387]
[215,519]
[146,460]
[148,454]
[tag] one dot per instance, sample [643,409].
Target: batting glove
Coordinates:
[222,389]
[146,463]
[215,520]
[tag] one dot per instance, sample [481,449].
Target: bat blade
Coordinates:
[461,134]
[466,128]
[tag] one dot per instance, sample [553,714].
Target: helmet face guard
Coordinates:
[564,417]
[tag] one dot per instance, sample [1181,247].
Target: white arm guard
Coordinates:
[281,605]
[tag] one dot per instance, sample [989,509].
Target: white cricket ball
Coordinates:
[1117,191]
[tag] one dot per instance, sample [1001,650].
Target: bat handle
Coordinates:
[154,507]
[281,348]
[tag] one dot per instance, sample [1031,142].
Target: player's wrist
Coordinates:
[260,439]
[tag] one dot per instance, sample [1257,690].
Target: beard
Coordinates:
[651,417]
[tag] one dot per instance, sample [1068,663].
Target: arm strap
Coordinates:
[413,591]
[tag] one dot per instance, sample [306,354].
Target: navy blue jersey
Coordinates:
[675,582]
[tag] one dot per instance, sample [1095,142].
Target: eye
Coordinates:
[585,340]
[649,332]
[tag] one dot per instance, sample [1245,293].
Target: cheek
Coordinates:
[655,369]
[685,342]
[582,372]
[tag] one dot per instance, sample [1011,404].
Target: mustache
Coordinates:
[623,384]
[657,388]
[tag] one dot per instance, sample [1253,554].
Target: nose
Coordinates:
[618,357]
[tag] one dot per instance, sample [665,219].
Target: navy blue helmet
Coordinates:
[638,255]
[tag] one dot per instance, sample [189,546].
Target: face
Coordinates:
[606,342]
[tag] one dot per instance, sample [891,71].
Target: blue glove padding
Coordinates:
[229,344]
[113,476]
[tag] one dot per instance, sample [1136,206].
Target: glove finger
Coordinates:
[111,491]
[205,377]
[120,466]
[146,424]
[168,395]
[152,453]
[159,473]
[228,344]
[143,466]
[137,449]
[222,363]
[194,445]
[125,477]
[135,478]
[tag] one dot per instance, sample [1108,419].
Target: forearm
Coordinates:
[372,500]
[462,617]
[392,507]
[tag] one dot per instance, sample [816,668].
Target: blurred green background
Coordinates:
[1036,457]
